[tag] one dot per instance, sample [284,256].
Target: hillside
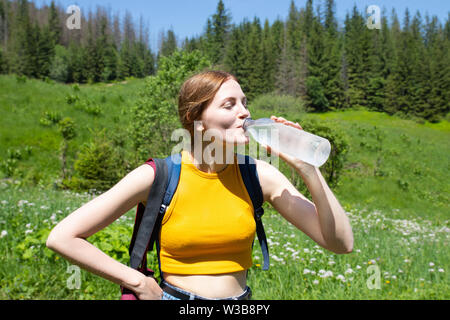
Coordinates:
[393,164]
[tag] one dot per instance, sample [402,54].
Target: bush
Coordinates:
[99,166]
[59,69]
[50,118]
[155,115]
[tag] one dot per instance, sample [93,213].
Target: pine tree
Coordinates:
[357,53]
[255,61]
[217,31]
[54,24]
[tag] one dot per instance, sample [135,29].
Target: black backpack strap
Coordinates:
[247,166]
[146,223]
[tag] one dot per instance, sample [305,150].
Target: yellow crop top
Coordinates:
[209,226]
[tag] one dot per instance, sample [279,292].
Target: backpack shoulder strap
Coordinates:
[144,225]
[247,166]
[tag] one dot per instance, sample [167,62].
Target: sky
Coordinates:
[188,18]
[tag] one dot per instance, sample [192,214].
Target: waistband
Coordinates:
[185,295]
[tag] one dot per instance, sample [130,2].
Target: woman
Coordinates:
[207,232]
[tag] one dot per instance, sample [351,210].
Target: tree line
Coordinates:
[401,68]
[35,42]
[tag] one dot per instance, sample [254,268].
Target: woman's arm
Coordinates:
[68,238]
[323,220]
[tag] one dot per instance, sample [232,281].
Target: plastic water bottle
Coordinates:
[297,143]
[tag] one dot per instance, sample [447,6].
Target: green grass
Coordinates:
[411,255]
[394,188]
[22,105]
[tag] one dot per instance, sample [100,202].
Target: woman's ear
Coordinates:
[198,125]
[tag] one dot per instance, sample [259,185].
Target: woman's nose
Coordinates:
[243,112]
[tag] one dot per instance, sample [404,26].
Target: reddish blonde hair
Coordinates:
[196,95]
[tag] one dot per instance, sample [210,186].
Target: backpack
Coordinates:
[148,218]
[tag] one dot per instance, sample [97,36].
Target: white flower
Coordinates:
[358,267]
[325,274]
[306,271]
[431,270]
[407,261]
[3,234]
[440,269]
[331,263]
[28,225]
[316,282]
[28,231]
[348,271]
[340,277]
[431,264]
[306,250]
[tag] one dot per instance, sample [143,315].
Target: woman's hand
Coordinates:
[301,166]
[148,289]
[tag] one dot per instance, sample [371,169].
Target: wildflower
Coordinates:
[3,234]
[387,282]
[358,267]
[407,260]
[431,270]
[28,225]
[341,277]
[306,271]
[28,231]
[441,270]
[348,271]
[316,282]
[325,274]
[431,264]
[306,250]
[331,263]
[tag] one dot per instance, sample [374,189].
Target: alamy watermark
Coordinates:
[74,281]
[374,18]
[374,280]
[74,21]
[209,145]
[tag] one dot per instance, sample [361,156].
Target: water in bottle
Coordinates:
[297,143]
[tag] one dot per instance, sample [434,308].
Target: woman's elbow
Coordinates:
[342,248]
[54,240]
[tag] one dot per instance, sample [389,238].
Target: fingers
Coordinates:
[286,122]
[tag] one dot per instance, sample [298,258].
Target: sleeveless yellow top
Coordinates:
[209,226]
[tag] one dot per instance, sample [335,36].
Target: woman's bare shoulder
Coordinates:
[140,180]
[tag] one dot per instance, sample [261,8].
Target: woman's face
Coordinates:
[226,114]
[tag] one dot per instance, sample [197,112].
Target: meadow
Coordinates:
[394,188]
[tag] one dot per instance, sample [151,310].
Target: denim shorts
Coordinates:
[167,296]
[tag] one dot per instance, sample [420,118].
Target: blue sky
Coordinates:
[188,17]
